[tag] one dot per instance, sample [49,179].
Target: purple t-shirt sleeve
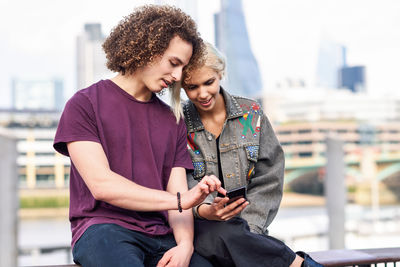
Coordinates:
[182,156]
[77,123]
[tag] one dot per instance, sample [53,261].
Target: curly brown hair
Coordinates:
[145,34]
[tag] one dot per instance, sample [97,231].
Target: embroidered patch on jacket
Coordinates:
[252,152]
[255,107]
[250,172]
[252,156]
[199,169]
[191,139]
[247,119]
[258,128]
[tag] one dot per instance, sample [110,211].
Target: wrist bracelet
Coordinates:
[197,210]
[178,196]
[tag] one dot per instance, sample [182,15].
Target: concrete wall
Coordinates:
[8,202]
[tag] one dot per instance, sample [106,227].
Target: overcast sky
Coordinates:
[37,37]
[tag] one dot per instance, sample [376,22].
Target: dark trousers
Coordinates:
[112,245]
[231,244]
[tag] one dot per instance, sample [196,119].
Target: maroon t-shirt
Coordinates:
[142,142]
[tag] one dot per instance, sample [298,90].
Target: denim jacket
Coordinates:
[250,154]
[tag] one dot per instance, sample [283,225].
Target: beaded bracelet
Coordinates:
[178,195]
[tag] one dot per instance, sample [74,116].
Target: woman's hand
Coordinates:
[198,194]
[220,211]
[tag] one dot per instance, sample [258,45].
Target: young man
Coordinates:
[128,153]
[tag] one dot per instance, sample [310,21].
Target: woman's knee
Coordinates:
[213,235]
[199,261]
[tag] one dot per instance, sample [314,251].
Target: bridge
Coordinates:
[362,167]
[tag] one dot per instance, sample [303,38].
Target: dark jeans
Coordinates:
[112,245]
[231,243]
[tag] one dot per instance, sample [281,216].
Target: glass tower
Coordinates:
[231,38]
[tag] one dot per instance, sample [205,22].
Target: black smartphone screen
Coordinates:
[235,194]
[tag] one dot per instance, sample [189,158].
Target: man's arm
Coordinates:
[181,224]
[209,199]
[105,185]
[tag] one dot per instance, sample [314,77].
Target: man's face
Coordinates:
[166,69]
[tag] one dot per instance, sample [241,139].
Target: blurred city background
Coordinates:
[326,73]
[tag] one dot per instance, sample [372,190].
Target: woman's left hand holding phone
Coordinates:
[220,211]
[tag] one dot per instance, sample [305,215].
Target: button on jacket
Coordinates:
[250,154]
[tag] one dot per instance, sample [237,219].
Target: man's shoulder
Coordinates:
[161,103]
[93,88]
[87,97]
[90,90]
[163,113]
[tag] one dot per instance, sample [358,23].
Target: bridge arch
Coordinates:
[388,171]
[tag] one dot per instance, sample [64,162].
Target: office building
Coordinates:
[231,38]
[91,59]
[331,58]
[353,78]
[37,94]
[318,104]
[39,165]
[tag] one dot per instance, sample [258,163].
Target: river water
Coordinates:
[301,228]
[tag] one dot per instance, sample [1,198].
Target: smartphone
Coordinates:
[235,194]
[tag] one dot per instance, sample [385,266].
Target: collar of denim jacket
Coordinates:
[192,117]
[233,109]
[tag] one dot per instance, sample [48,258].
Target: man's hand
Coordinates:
[217,211]
[178,256]
[197,194]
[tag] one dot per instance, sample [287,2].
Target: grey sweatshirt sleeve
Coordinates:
[266,187]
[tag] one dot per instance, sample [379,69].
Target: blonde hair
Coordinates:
[175,98]
[213,59]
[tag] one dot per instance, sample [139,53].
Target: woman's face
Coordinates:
[203,89]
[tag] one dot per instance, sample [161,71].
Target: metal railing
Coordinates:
[358,257]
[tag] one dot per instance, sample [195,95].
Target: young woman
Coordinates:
[230,137]
[129,203]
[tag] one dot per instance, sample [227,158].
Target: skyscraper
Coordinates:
[353,78]
[231,38]
[91,60]
[331,58]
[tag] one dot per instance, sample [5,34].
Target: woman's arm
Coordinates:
[105,185]
[266,187]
